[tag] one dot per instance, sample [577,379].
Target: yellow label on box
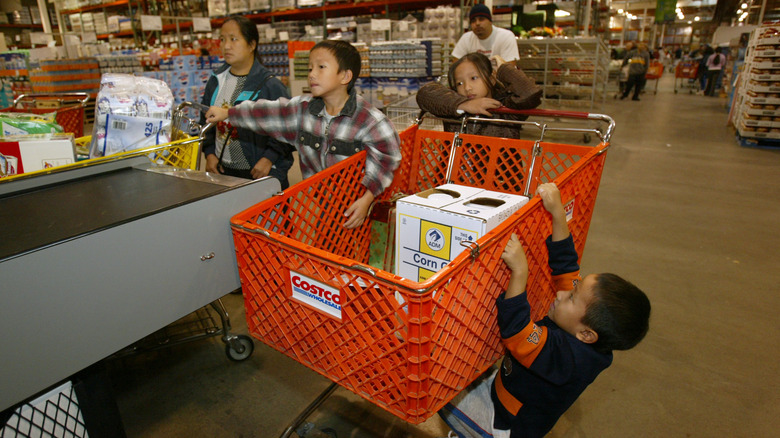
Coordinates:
[435,239]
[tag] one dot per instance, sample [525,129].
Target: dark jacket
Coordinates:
[637,61]
[545,368]
[260,84]
[516,91]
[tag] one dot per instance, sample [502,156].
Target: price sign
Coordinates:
[380,24]
[151,22]
[201,24]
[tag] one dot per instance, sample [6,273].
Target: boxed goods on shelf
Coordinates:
[237,6]
[398,59]
[282,5]
[118,23]
[757,103]
[218,8]
[66,75]
[259,5]
[441,22]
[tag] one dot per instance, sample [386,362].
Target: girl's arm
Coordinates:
[439,100]
[521,91]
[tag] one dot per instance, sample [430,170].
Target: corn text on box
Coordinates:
[431,225]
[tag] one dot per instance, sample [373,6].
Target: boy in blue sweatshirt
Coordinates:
[549,363]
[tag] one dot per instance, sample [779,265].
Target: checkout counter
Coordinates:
[96,258]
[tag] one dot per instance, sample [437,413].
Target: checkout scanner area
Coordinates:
[93,259]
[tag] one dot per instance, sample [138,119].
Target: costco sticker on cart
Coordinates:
[316,294]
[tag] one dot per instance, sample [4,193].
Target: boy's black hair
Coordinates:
[619,313]
[248,30]
[346,55]
[484,67]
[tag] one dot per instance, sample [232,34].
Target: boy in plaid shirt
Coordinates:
[329,125]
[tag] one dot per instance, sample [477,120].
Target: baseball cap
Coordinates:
[480,11]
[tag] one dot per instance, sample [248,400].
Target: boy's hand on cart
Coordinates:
[216,114]
[357,212]
[480,105]
[551,198]
[262,168]
[515,259]
[514,254]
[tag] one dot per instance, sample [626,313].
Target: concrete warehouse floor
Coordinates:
[683,211]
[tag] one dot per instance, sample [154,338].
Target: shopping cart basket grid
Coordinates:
[409,356]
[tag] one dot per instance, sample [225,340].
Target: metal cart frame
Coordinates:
[69,108]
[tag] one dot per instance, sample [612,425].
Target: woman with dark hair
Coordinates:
[715,64]
[475,89]
[237,151]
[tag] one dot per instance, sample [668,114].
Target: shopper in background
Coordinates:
[232,150]
[474,88]
[623,75]
[703,56]
[328,125]
[637,59]
[715,64]
[485,38]
[550,362]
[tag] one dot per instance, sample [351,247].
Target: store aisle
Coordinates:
[683,212]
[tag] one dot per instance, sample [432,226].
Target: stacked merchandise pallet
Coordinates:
[365,59]
[573,72]
[120,62]
[186,75]
[295,55]
[758,96]
[399,69]
[274,56]
[66,75]
[398,59]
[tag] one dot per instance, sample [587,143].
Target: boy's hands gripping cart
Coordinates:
[341,317]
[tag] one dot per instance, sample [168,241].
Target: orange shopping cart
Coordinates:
[69,108]
[411,358]
[686,73]
[654,72]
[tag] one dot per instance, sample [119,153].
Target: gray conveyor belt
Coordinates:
[48,215]
[95,258]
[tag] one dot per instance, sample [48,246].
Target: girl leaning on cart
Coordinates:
[475,88]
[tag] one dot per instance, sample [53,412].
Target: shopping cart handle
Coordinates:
[564,114]
[541,113]
[81,97]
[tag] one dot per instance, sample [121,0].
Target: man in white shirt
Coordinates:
[485,38]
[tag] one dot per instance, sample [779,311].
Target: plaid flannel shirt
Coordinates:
[299,122]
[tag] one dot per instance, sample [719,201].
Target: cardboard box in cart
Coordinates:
[28,153]
[431,225]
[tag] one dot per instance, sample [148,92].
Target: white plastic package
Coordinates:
[132,112]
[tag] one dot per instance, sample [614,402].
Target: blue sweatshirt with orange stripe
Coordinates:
[545,368]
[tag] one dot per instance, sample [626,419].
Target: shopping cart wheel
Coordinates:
[239,348]
[586,138]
